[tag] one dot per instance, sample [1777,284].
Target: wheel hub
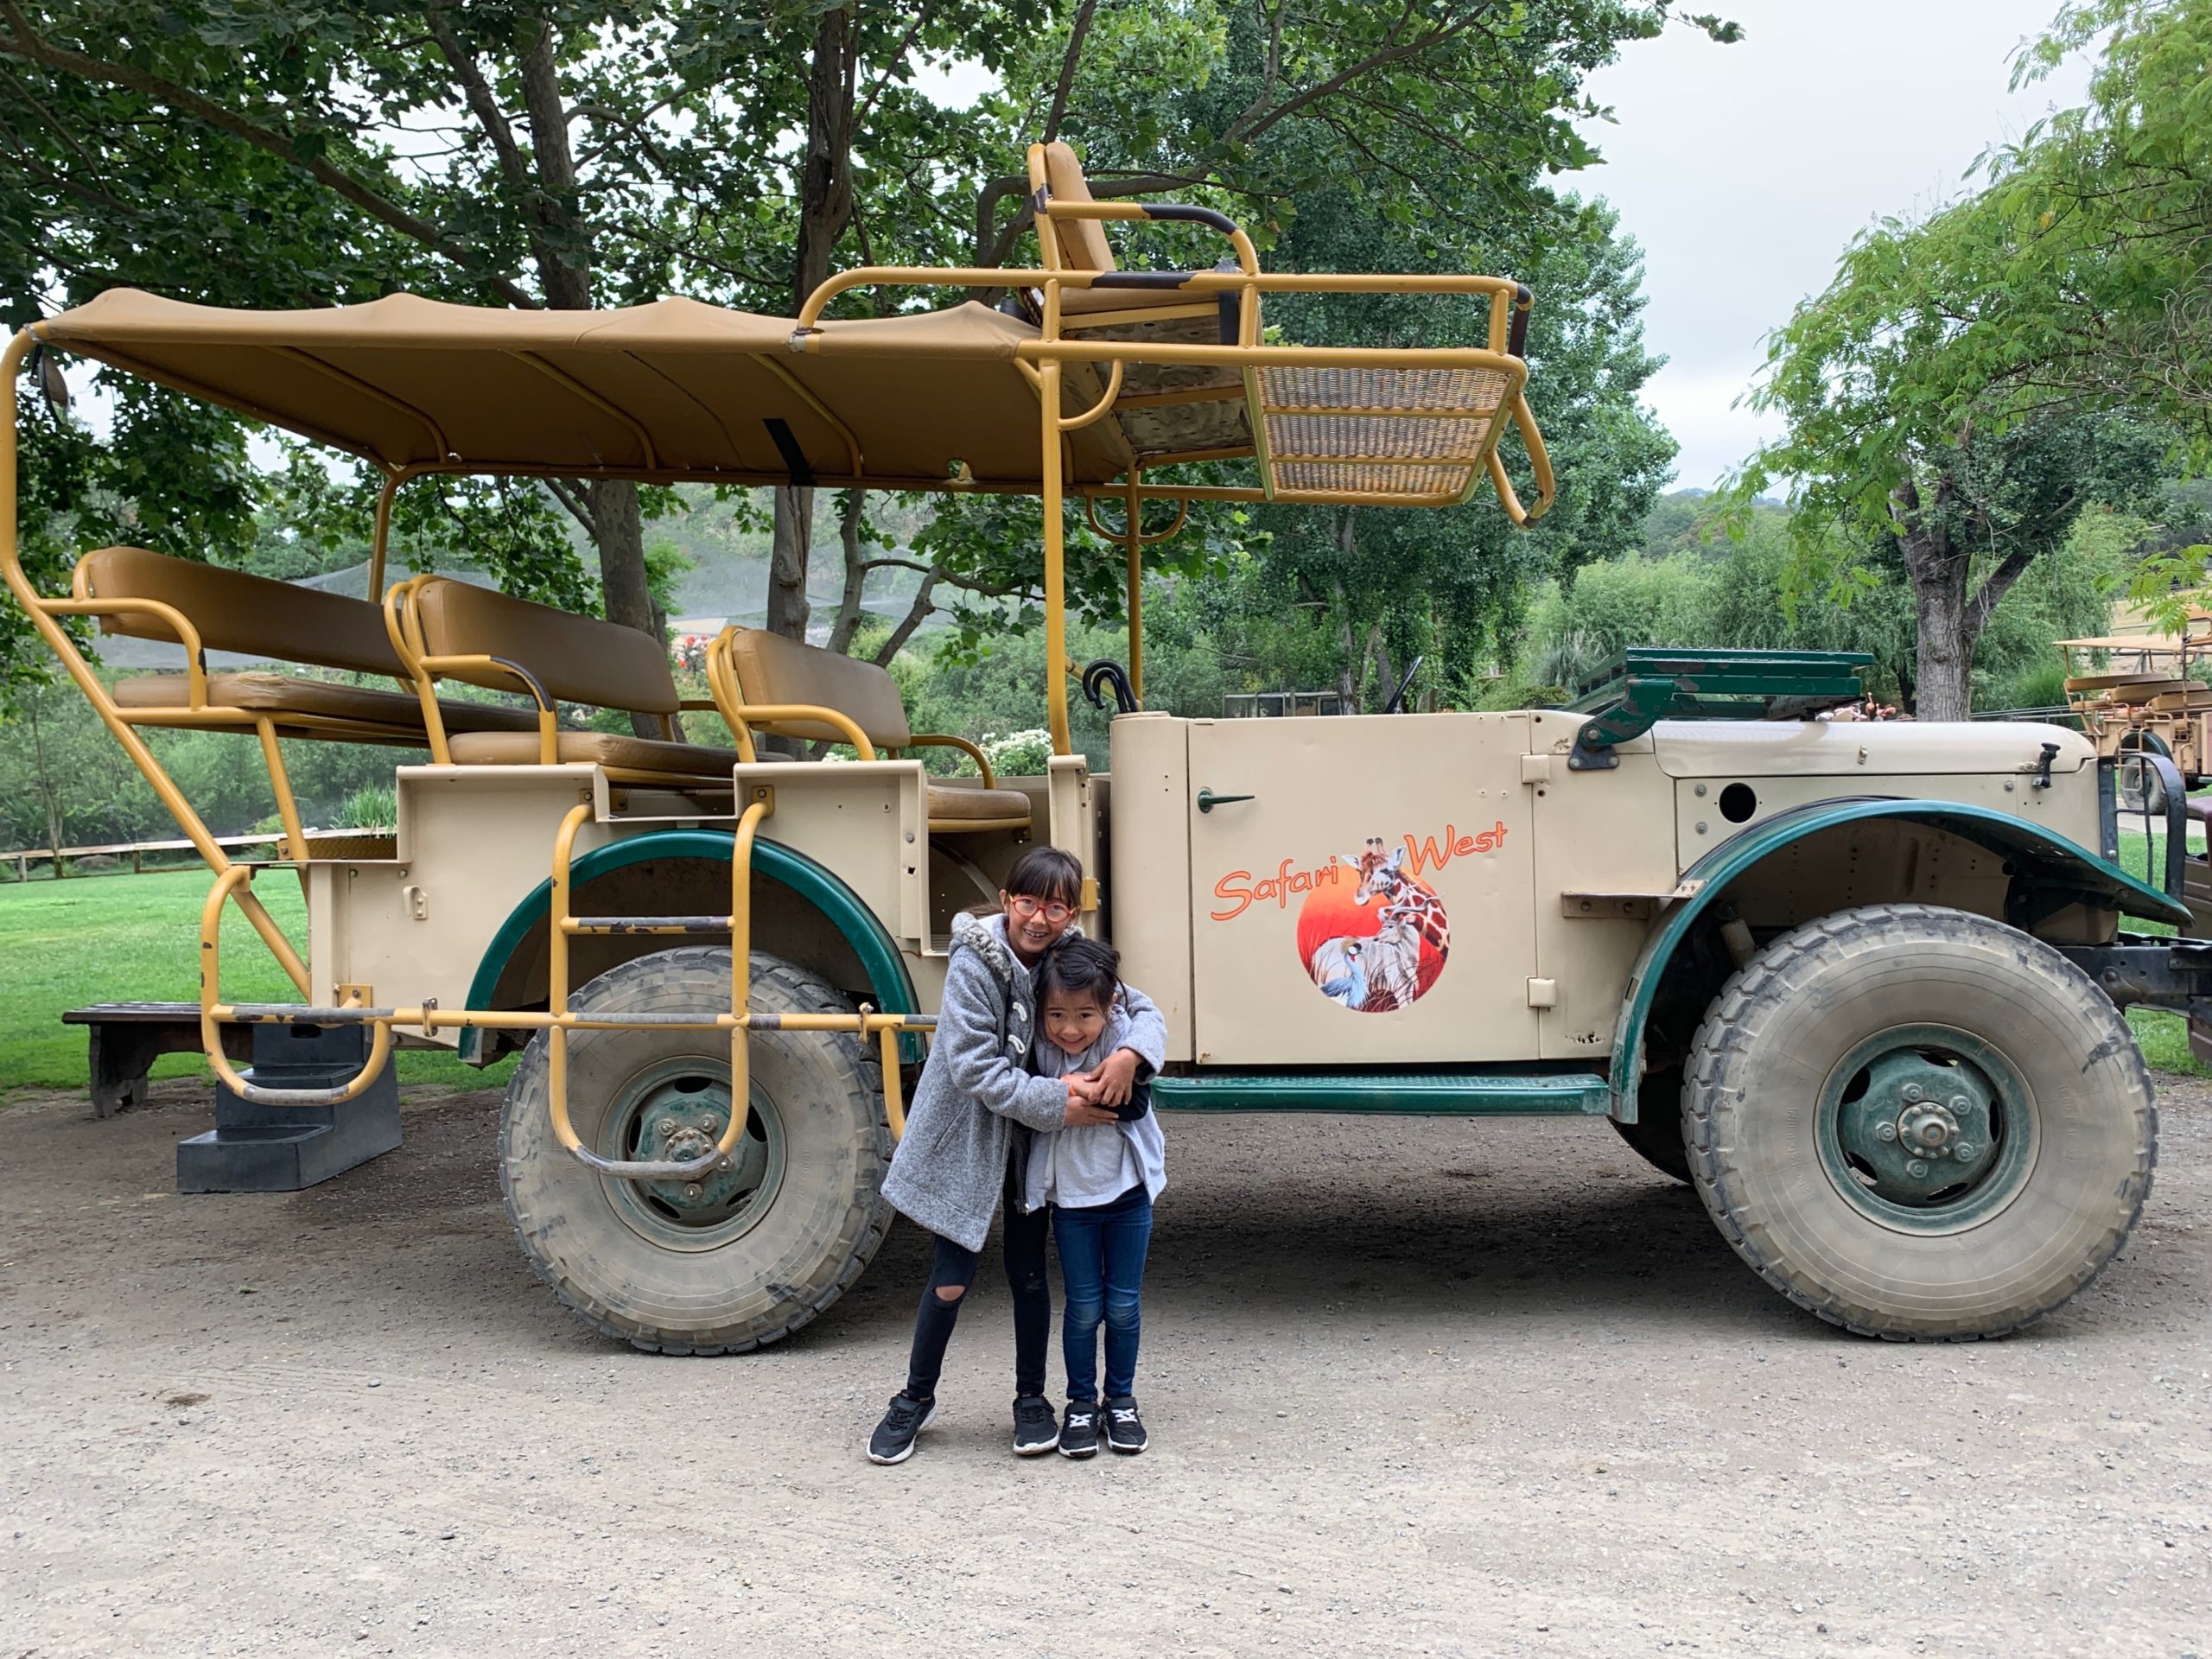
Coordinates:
[682,1127]
[1925,1128]
[676,1111]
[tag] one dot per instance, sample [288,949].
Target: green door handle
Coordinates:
[1208,800]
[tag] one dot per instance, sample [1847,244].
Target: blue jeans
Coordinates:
[1102,1264]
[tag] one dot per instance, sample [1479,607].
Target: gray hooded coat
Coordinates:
[977,1098]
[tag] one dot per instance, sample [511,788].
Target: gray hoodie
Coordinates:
[977,1097]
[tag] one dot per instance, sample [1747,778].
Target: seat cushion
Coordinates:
[1078,302]
[612,749]
[951,803]
[279,695]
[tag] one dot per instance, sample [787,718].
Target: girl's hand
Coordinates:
[1115,1079]
[1080,1113]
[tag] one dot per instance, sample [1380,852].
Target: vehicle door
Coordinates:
[1361,890]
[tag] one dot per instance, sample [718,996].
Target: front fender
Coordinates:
[2045,859]
[892,987]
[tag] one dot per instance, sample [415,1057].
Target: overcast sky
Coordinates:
[1743,170]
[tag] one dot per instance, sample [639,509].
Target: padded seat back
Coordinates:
[575,658]
[251,615]
[772,670]
[1083,241]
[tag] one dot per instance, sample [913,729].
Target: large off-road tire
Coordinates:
[751,1255]
[1657,1135]
[1919,1123]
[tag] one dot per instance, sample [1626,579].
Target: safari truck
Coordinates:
[1860,984]
[2140,694]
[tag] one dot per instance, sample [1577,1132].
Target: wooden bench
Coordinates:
[127,1037]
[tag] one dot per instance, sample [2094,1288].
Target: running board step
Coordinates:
[1463,1094]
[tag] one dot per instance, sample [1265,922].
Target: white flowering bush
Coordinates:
[1018,755]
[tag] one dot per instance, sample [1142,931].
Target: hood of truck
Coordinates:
[1819,748]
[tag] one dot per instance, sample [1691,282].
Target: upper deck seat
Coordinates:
[1208,411]
[771,670]
[255,616]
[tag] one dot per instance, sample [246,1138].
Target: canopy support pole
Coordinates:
[381,538]
[1133,543]
[1056,613]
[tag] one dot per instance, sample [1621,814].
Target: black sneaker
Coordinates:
[1124,1428]
[1036,1431]
[1079,1430]
[894,1439]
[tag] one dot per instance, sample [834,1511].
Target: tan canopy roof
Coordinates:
[676,388]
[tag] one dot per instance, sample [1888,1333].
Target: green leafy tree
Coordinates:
[1904,437]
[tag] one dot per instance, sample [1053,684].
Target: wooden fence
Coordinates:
[136,851]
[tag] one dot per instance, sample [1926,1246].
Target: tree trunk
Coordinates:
[561,250]
[825,196]
[788,610]
[1945,657]
[621,530]
[851,517]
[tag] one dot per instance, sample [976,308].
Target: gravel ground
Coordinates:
[1415,1386]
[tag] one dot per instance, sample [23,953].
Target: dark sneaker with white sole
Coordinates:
[1124,1428]
[1036,1430]
[1079,1430]
[894,1439]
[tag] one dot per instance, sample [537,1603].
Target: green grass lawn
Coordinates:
[135,938]
[2165,1037]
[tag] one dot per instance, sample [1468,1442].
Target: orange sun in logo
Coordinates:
[1373,941]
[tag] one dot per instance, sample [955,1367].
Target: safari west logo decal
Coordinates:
[1372,934]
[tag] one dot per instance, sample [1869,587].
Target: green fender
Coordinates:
[2051,859]
[892,988]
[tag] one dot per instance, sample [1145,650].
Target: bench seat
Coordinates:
[280,695]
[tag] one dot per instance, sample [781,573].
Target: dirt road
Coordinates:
[1414,1386]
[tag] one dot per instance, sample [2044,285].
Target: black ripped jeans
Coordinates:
[955,1264]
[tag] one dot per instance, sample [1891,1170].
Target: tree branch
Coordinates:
[917,614]
[1077,31]
[481,103]
[1994,590]
[566,495]
[25,43]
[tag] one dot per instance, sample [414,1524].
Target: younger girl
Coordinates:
[968,1132]
[1100,1180]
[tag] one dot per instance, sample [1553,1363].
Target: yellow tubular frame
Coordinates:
[1043,361]
[43,613]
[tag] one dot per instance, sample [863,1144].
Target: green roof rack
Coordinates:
[1646,684]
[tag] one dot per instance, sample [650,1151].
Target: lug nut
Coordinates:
[1961,1103]
[693,1190]
[1965,1151]
[1916,1169]
[710,1125]
[1885,1131]
[1911,1092]
[669,1128]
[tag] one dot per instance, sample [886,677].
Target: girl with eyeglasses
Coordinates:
[966,1139]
